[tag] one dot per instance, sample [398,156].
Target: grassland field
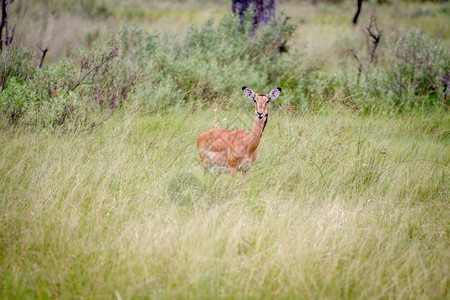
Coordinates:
[336,206]
[339,204]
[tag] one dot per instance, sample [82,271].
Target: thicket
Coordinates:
[413,74]
[209,65]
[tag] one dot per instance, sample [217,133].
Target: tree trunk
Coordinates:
[264,10]
[3,24]
[7,40]
[355,18]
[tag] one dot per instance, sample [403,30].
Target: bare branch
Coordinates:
[281,44]
[105,58]
[6,24]
[44,52]
[10,38]
[42,33]
[374,35]
[359,64]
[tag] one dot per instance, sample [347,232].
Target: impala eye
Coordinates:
[254,100]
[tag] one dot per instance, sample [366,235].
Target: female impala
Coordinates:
[236,150]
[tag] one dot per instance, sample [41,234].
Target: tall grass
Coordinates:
[337,205]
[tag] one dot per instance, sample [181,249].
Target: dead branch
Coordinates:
[44,52]
[359,65]
[6,24]
[9,38]
[85,66]
[281,44]
[374,35]
[42,33]
[446,84]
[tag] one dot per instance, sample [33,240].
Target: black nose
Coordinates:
[260,115]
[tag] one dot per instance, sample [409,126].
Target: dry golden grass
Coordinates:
[336,206]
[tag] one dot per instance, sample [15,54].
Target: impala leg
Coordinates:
[233,168]
[233,172]
[232,163]
[203,164]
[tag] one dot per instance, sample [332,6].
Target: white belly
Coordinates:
[245,164]
[218,161]
[219,169]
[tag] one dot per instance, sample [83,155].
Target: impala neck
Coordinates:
[257,130]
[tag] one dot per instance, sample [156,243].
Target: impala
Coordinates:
[236,150]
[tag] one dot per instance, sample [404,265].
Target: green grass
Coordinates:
[336,206]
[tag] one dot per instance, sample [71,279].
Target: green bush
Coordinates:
[419,62]
[15,62]
[212,62]
[225,57]
[60,92]
[409,76]
[413,73]
[16,99]
[209,65]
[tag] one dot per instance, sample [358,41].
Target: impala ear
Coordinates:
[274,93]
[248,92]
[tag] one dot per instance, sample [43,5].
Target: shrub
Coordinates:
[16,99]
[414,70]
[56,94]
[212,62]
[15,62]
[209,65]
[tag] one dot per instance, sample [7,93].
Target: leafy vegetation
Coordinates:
[417,66]
[208,65]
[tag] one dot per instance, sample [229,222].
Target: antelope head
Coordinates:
[261,101]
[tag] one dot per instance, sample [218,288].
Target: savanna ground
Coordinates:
[348,197]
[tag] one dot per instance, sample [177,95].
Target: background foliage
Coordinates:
[207,63]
